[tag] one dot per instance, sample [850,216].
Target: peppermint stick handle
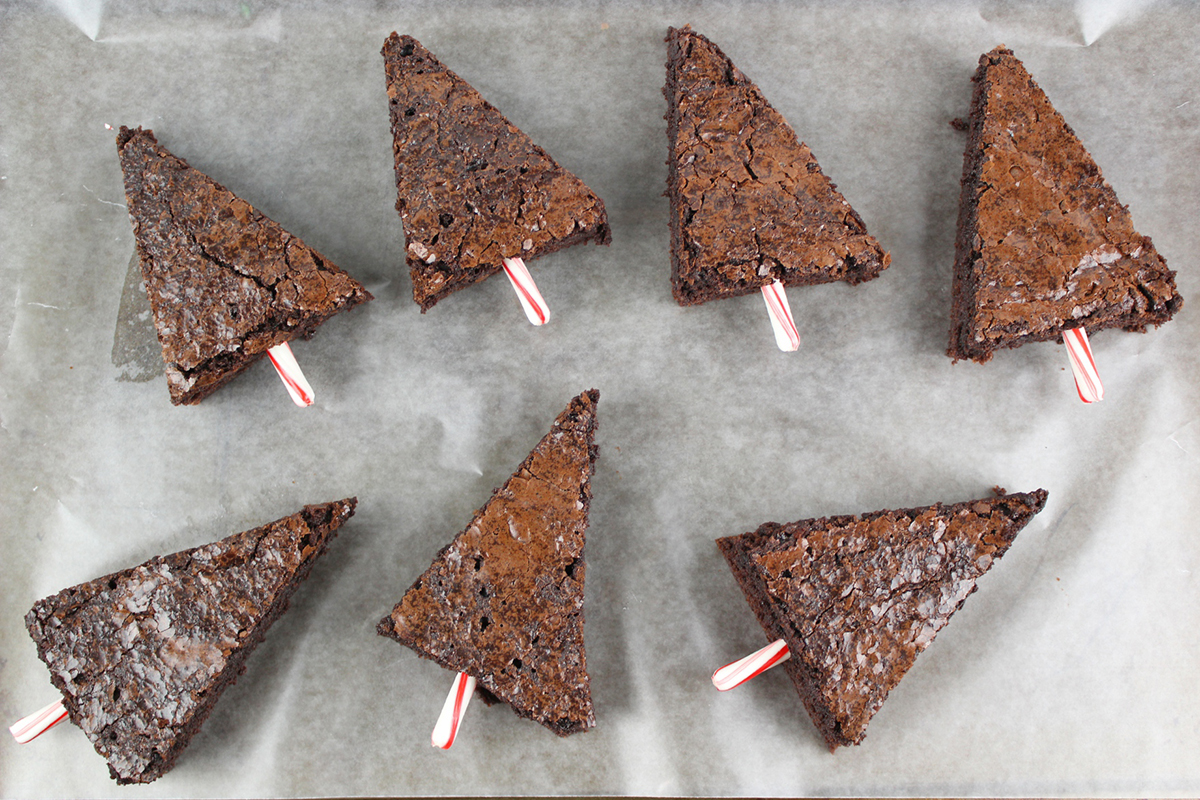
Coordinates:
[1083,366]
[446,729]
[29,728]
[758,662]
[536,310]
[289,372]
[786,335]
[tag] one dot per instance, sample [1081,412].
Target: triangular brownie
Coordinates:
[225,283]
[1043,243]
[472,188]
[749,204]
[503,602]
[142,655]
[857,598]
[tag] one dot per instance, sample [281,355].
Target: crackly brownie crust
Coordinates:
[142,655]
[503,601]
[472,188]
[749,204]
[857,598]
[225,282]
[1043,243]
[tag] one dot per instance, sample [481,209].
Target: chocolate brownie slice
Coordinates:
[749,204]
[142,655]
[1043,243]
[225,283]
[857,598]
[503,602]
[472,188]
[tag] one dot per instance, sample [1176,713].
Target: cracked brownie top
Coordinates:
[503,601]
[472,188]
[225,282]
[857,598]
[1043,243]
[749,204]
[142,655]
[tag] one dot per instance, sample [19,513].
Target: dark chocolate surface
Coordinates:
[503,602]
[142,655]
[472,188]
[749,203]
[225,283]
[1043,243]
[857,598]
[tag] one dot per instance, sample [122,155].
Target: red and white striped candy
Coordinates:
[1087,379]
[786,335]
[29,728]
[756,663]
[289,372]
[535,307]
[446,729]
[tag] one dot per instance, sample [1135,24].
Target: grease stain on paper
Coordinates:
[136,352]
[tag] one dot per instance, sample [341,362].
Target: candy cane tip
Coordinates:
[532,302]
[787,337]
[1083,366]
[285,364]
[29,728]
[738,672]
[446,729]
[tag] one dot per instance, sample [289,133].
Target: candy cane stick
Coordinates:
[535,307]
[1087,379]
[756,663]
[29,728]
[289,372]
[446,729]
[786,335]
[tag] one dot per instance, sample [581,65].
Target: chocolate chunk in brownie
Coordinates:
[749,204]
[857,598]
[472,188]
[1043,243]
[503,602]
[142,655]
[225,283]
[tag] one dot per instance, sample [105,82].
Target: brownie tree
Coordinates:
[142,655]
[1043,243]
[749,204]
[857,598]
[472,189]
[225,282]
[503,602]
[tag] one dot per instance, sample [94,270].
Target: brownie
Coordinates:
[503,602]
[857,598]
[749,204]
[142,655]
[225,282]
[1043,243]
[472,188]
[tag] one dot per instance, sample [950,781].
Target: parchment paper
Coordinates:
[1073,670]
